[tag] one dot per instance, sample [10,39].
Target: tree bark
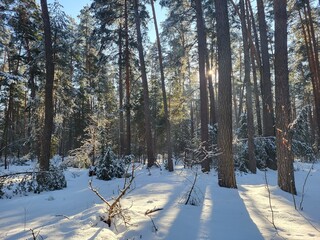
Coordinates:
[283,136]
[48,118]
[226,176]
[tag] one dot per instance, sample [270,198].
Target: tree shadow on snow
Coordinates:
[222,215]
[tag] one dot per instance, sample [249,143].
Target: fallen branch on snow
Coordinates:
[114,208]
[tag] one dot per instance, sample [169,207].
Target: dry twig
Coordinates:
[114,208]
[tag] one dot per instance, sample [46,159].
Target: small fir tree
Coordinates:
[109,166]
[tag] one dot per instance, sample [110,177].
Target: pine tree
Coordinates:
[48,122]
[226,177]
[283,136]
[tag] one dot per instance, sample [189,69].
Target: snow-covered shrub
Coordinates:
[265,148]
[109,166]
[302,138]
[21,184]
[19,161]
[241,155]
[242,130]
[213,133]
[80,157]
[51,180]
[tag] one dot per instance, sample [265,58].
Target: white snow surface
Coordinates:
[240,214]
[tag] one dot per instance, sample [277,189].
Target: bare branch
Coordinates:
[192,187]
[98,194]
[149,211]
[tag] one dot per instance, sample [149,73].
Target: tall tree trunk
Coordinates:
[226,176]
[267,99]
[250,126]
[202,46]
[147,116]
[128,106]
[255,58]
[283,136]
[48,118]
[121,119]
[164,93]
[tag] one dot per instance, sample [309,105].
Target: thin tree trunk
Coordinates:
[283,136]
[255,57]
[313,58]
[210,68]
[266,92]
[202,46]
[128,106]
[250,126]
[164,93]
[314,42]
[235,105]
[226,176]
[4,142]
[121,119]
[147,116]
[48,119]
[212,112]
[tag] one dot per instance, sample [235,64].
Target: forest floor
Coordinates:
[218,213]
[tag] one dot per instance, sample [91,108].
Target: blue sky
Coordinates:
[73,7]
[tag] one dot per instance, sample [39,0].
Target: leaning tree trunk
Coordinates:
[48,117]
[283,136]
[147,115]
[164,94]
[226,176]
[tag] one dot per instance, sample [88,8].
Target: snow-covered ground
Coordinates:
[243,213]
